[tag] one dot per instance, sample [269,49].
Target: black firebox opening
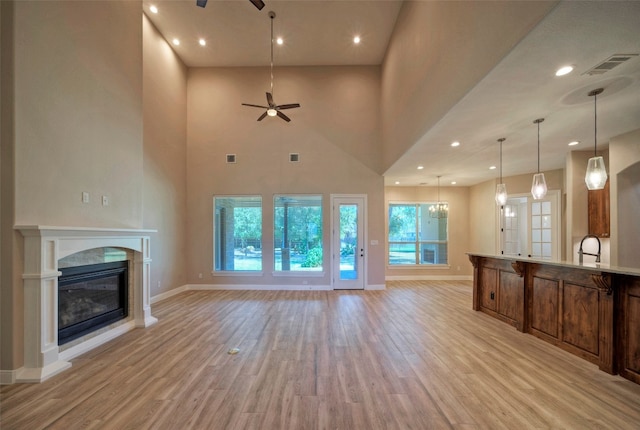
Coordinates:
[91,297]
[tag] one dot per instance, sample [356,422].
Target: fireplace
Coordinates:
[91,297]
[45,251]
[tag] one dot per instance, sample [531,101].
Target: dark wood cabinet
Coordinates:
[588,312]
[598,204]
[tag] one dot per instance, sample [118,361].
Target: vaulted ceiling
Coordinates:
[519,89]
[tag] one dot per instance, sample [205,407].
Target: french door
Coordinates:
[531,228]
[348,242]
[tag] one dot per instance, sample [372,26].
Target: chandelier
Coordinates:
[440,209]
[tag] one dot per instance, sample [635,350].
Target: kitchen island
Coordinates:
[590,310]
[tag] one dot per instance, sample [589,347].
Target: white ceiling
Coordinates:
[521,88]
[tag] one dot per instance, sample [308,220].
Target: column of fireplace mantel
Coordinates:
[43,247]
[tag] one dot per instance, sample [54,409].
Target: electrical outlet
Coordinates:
[105,201]
[493,295]
[85,197]
[200,275]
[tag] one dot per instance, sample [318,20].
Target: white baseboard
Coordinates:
[7,377]
[241,287]
[373,287]
[429,278]
[162,296]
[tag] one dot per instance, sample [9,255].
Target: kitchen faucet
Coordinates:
[581,252]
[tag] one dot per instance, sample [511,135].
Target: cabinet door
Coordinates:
[599,211]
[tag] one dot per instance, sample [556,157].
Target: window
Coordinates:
[297,233]
[237,233]
[415,237]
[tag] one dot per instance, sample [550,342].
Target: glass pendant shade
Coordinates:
[539,186]
[501,188]
[596,176]
[501,194]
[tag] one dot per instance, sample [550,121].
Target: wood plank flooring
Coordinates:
[415,356]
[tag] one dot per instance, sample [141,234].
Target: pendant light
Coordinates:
[440,209]
[539,185]
[501,188]
[596,176]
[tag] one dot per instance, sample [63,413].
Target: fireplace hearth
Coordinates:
[91,297]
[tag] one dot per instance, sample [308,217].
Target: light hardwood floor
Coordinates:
[412,357]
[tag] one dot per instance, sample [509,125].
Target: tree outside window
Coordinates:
[415,238]
[237,233]
[297,233]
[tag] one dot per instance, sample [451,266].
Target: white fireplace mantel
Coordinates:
[43,247]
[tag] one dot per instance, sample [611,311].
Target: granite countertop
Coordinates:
[632,271]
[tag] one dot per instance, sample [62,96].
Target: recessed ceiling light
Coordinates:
[564,70]
[279,41]
[574,143]
[456,143]
[397,182]
[356,39]
[153,9]
[420,167]
[453,182]
[176,42]
[492,168]
[202,42]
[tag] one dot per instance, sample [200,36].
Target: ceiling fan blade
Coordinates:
[262,116]
[270,100]
[283,116]
[289,106]
[258,3]
[201,3]
[258,106]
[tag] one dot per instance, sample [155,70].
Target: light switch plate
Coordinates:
[105,201]
[85,197]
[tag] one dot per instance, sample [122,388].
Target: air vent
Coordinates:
[294,157]
[231,158]
[609,63]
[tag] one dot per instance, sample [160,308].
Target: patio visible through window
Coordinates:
[238,233]
[297,233]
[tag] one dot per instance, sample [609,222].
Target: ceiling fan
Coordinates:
[257,3]
[273,109]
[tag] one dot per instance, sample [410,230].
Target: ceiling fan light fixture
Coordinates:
[596,175]
[272,109]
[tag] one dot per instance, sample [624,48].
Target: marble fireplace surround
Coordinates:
[43,247]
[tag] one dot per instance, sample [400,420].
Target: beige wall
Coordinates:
[165,159]
[336,133]
[624,174]
[10,268]
[74,92]
[78,113]
[483,217]
[458,229]
[423,78]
